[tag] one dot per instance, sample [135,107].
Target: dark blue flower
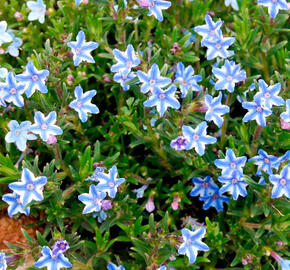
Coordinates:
[286,115]
[274,6]
[15,205]
[281,183]
[203,187]
[215,200]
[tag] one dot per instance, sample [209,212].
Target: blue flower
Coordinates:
[186,79]
[192,243]
[179,143]
[92,200]
[155,8]
[13,48]
[210,30]
[3,264]
[124,76]
[4,35]
[282,159]
[109,182]
[81,49]
[215,109]
[38,10]
[125,60]
[94,177]
[274,6]
[52,261]
[101,216]
[33,79]
[82,104]
[203,187]
[3,73]
[231,163]
[152,80]
[286,115]
[60,246]
[233,3]
[163,99]
[19,134]
[215,200]
[256,111]
[269,94]
[228,75]
[218,47]
[112,266]
[15,206]
[29,188]
[12,91]
[281,183]
[233,184]
[163,267]
[140,191]
[197,137]
[45,126]
[192,37]
[78,2]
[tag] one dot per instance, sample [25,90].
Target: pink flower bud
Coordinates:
[106,78]
[18,16]
[175,203]
[52,139]
[284,124]
[143,3]
[2,51]
[106,204]
[150,206]
[85,2]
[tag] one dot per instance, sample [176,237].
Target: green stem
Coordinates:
[257,135]
[226,119]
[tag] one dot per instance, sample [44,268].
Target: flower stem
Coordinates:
[226,118]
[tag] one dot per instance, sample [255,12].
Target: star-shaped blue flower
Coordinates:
[218,47]
[215,109]
[124,76]
[233,3]
[274,6]
[125,60]
[29,188]
[286,115]
[4,35]
[163,99]
[12,91]
[155,8]
[13,48]
[109,182]
[269,94]
[228,75]
[233,184]
[256,111]
[112,266]
[203,187]
[81,49]
[215,200]
[45,126]
[231,163]
[192,243]
[33,79]
[92,200]
[15,205]
[82,104]
[19,134]
[197,137]
[281,183]
[38,10]
[3,264]
[52,261]
[152,79]
[187,79]
[208,31]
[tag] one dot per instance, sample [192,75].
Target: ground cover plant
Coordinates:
[144,134]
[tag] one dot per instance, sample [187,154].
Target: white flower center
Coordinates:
[184,82]
[218,46]
[195,137]
[18,201]
[259,109]
[234,180]
[215,196]
[13,91]
[35,78]
[283,182]
[78,50]
[267,95]
[229,78]
[129,63]
[205,185]
[79,104]
[188,242]
[266,160]
[44,126]
[30,186]
[152,81]
[212,33]
[274,1]
[162,96]
[96,201]
[17,132]
[233,165]
[111,184]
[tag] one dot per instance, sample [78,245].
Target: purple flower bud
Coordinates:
[60,246]
[179,143]
[52,139]
[150,206]
[106,204]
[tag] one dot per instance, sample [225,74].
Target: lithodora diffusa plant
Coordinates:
[145,134]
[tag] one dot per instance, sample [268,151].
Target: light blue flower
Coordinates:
[210,30]
[215,109]
[45,126]
[228,75]
[215,200]
[15,205]
[231,163]
[4,35]
[163,99]
[3,264]
[269,94]
[187,79]
[274,6]
[78,2]
[92,200]
[197,138]
[109,182]
[203,187]
[256,111]
[52,261]
[155,8]
[101,216]
[192,37]
[234,184]
[3,73]
[281,183]
[112,266]
[81,49]
[163,267]
[12,91]
[233,3]
[152,80]
[218,47]
[124,76]
[94,177]
[38,10]
[243,97]
[125,60]
[13,48]
[280,160]
[19,134]
[286,115]
[192,243]
[82,104]
[29,188]
[285,264]
[33,79]
[140,191]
